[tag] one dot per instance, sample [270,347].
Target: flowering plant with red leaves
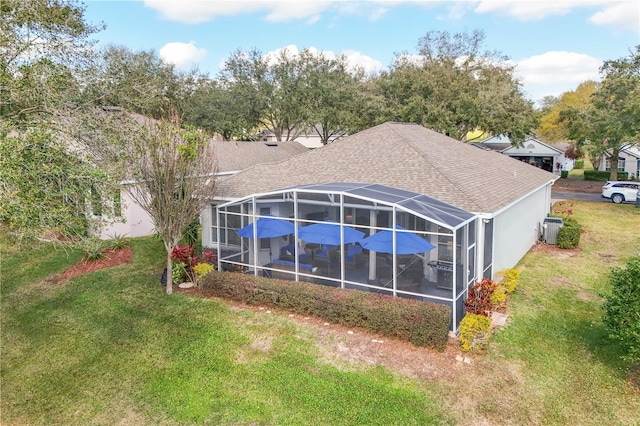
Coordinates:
[479,297]
[183,253]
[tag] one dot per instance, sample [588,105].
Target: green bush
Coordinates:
[498,297]
[603,176]
[569,234]
[564,173]
[178,272]
[117,242]
[622,308]
[510,280]
[579,164]
[92,249]
[422,323]
[475,331]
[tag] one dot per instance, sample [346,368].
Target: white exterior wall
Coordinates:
[135,221]
[517,228]
[631,162]
[567,163]
[205,222]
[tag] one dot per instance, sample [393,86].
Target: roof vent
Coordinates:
[271,143]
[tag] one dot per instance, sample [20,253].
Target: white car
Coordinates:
[621,191]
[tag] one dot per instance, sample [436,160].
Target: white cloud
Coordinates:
[194,11]
[554,73]
[286,11]
[354,58]
[527,10]
[198,11]
[625,15]
[367,63]
[182,55]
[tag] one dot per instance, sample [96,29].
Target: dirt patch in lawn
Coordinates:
[466,381]
[110,258]
[349,347]
[555,251]
[577,185]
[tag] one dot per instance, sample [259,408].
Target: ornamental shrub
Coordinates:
[603,176]
[178,272]
[510,280]
[569,234]
[479,297]
[422,323]
[475,331]
[200,270]
[92,249]
[622,308]
[498,297]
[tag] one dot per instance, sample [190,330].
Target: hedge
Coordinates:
[603,176]
[422,323]
[569,235]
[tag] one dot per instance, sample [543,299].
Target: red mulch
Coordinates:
[111,258]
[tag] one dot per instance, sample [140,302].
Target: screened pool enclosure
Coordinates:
[356,236]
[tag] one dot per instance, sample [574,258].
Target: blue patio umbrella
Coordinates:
[268,227]
[328,232]
[406,242]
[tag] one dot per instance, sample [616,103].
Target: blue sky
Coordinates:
[555,45]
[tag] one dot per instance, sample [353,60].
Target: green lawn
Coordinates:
[579,173]
[112,348]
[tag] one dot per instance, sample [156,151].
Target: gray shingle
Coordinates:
[405,156]
[233,156]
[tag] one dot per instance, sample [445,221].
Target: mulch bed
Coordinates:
[110,258]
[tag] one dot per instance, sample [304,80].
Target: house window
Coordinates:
[621,164]
[96,202]
[229,224]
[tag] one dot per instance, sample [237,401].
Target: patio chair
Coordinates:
[324,253]
[288,252]
[352,255]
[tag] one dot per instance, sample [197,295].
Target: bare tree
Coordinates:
[174,170]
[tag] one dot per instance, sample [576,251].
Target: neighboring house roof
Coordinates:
[632,151]
[235,156]
[404,156]
[493,143]
[530,145]
[561,145]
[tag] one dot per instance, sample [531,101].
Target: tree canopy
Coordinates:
[43,46]
[454,87]
[551,128]
[611,120]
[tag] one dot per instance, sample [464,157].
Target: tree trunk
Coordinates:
[169,272]
[613,162]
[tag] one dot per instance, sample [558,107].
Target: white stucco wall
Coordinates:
[517,228]
[205,222]
[632,162]
[135,222]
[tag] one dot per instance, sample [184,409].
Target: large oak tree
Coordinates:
[454,87]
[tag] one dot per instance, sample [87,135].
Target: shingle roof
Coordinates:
[234,156]
[405,156]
